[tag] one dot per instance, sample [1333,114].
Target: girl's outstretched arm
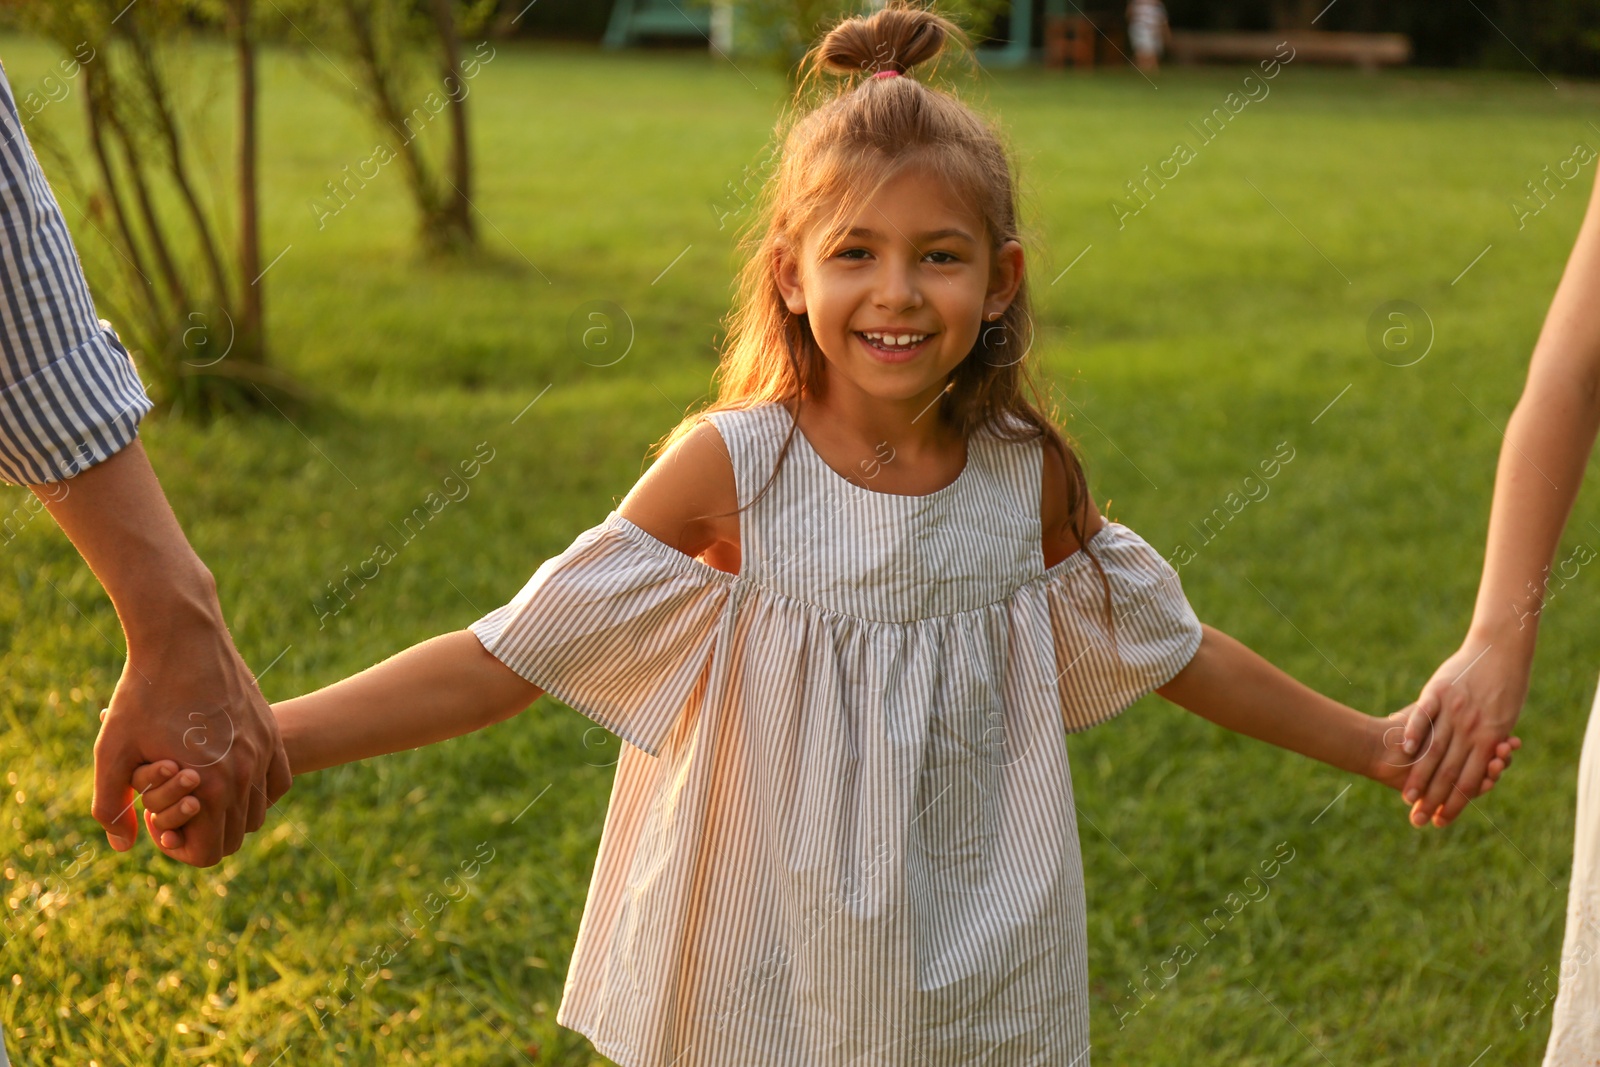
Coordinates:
[444,687]
[1235,688]
[451,684]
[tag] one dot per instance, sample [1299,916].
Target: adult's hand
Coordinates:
[1468,707]
[185,694]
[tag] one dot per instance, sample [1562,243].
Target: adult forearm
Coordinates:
[442,688]
[185,693]
[119,520]
[1536,482]
[1238,690]
[1546,449]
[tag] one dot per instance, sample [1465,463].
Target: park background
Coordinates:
[1245,309]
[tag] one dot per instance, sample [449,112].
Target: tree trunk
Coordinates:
[252,325]
[376,71]
[195,261]
[167,123]
[154,232]
[457,210]
[96,105]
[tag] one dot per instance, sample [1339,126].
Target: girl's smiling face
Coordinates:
[913,265]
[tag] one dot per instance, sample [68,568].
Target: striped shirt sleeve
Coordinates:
[1155,632]
[70,396]
[620,627]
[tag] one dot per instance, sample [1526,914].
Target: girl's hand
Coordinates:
[1392,765]
[1461,724]
[165,789]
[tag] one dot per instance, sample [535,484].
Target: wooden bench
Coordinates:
[1366,50]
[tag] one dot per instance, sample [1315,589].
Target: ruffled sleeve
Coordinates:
[1100,673]
[620,626]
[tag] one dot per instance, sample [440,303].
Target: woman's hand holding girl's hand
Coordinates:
[1460,727]
[1392,765]
[165,790]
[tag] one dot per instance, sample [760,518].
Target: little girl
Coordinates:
[845,623]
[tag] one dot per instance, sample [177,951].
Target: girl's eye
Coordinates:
[950,257]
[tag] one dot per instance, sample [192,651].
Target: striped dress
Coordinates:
[842,832]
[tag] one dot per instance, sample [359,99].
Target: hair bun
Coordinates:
[897,38]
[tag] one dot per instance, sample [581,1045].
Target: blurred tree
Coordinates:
[188,300]
[389,45]
[780,31]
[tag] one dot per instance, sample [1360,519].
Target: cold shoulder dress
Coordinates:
[842,831]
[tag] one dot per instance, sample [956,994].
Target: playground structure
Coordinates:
[633,20]
[1072,37]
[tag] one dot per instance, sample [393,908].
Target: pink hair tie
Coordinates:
[887,74]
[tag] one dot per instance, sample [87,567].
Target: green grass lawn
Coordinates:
[1223,319]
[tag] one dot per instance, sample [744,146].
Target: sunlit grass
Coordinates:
[1187,347]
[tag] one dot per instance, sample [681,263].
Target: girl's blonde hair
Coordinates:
[834,156]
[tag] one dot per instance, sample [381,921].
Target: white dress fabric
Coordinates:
[1575,1021]
[842,832]
[1145,21]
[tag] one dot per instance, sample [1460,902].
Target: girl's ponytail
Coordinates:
[896,38]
